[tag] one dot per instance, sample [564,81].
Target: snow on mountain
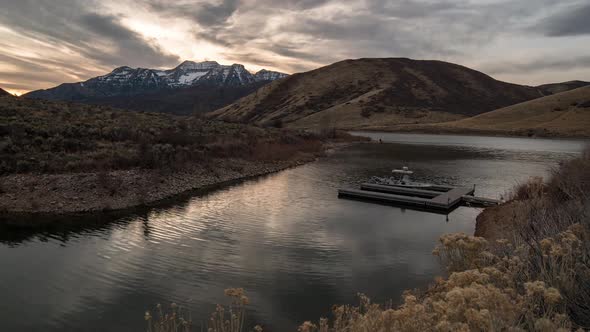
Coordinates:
[127,81]
[187,73]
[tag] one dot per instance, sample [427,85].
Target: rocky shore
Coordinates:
[116,190]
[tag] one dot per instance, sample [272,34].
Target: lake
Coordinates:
[285,238]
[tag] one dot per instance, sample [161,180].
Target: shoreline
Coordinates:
[77,194]
[34,199]
[468,133]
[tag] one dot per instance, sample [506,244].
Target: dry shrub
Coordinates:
[571,181]
[485,294]
[532,189]
[171,320]
[230,319]
[273,151]
[85,138]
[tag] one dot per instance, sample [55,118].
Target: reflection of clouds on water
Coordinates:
[286,238]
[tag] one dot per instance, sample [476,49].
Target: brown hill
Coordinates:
[553,88]
[356,94]
[4,92]
[565,114]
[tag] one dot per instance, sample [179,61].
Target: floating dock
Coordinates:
[434,198]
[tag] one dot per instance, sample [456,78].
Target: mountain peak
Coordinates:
[122,68]
[128,81]
[192,65]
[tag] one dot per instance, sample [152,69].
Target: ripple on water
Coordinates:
[286,238]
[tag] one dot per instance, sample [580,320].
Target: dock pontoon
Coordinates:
[401,190]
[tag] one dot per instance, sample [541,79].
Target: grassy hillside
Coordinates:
[52,137]
[368,92]
[562,114]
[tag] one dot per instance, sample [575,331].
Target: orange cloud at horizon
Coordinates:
[15,91]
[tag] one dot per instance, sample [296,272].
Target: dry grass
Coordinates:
[171,320]
[562,114]
[533,189]
[230,319]
[367,93]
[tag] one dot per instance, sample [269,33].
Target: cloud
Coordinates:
[50,34]
[67,23]
[74,39]
[317,33]
[573,21]
[213,15]
[539,64]
[121,45]
[204,13]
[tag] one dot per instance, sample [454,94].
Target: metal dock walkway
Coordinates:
[441,199]
[453,197]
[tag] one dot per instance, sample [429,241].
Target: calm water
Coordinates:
[286,238]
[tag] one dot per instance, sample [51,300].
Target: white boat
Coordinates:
[400,178]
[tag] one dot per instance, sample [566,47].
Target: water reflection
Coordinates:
[286,238]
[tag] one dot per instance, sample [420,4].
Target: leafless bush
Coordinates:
[533,188]
[230,319]
[571,181]
[171,320]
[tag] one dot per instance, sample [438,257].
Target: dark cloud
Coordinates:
[67,24]
[292,51]
[203,13]
[216,14]
[573,21]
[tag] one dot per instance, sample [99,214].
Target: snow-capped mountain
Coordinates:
[126,81]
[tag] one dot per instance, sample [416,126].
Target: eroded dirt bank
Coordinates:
[115,190]
[497,222]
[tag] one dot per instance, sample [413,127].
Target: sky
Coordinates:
[47,42]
